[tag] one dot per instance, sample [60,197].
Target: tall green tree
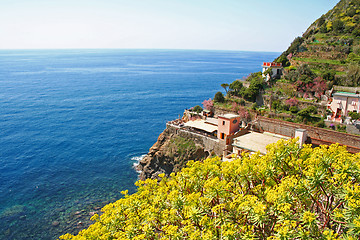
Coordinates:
[225,86]
[236,87]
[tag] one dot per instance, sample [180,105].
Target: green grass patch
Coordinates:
[319,36]
[316,43]
[226,105]
[340,73]
[182,146]
[316,60]
[316,71]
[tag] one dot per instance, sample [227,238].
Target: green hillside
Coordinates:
[330,46]
[327,54]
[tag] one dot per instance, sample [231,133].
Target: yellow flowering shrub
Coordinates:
[290,193]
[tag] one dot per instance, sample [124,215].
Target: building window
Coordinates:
[235,121]
[222,135]
[223,122]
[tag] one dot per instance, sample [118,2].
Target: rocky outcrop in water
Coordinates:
[169,154]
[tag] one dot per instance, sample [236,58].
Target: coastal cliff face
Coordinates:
[169,154]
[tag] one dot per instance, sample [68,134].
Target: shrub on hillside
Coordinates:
[276,105]
[294,109]
[338,26]
[328,74]
[320,124]
[354,115]
[242,102]
[254,106]
[302,73]
[305,114]
[197,109]
[256,85]
[219,97]
[356,49]
[353,75]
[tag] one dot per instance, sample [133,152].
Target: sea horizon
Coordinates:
[73,122]
[138,49]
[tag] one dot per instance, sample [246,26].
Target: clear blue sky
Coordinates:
[250,25]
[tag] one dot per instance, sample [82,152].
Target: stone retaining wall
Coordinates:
[210,144]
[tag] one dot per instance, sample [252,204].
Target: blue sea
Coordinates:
[74,122]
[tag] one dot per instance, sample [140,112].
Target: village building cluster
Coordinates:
[236,137]
[340,103]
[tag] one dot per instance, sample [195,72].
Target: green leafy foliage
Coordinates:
[197,109]
[294,109]
[338,26]
[277,105]
[302,73]
[305,114]
[236,87]
[225,86]
[328,74]
[283,60]
[181,148]
[256,85]
[219,97]
[248,93]
[354,115]
[353,75]
[290,193]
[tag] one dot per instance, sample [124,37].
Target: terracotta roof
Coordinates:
[272,64]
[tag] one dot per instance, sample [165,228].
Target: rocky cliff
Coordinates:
[170,153]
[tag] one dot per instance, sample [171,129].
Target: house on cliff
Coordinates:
[227,131]
[342,103]
[223,127]
[228,124]
[276,70]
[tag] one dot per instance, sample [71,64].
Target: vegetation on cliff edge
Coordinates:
[290,193]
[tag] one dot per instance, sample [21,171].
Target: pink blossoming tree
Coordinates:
[208,104]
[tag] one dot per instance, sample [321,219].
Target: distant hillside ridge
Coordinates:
[330,46]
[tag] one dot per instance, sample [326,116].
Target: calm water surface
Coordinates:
[73,122]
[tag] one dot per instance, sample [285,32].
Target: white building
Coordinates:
[343,103]
[277,70]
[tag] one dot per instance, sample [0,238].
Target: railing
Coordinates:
[192,131]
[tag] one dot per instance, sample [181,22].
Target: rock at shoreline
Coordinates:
[169,154]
